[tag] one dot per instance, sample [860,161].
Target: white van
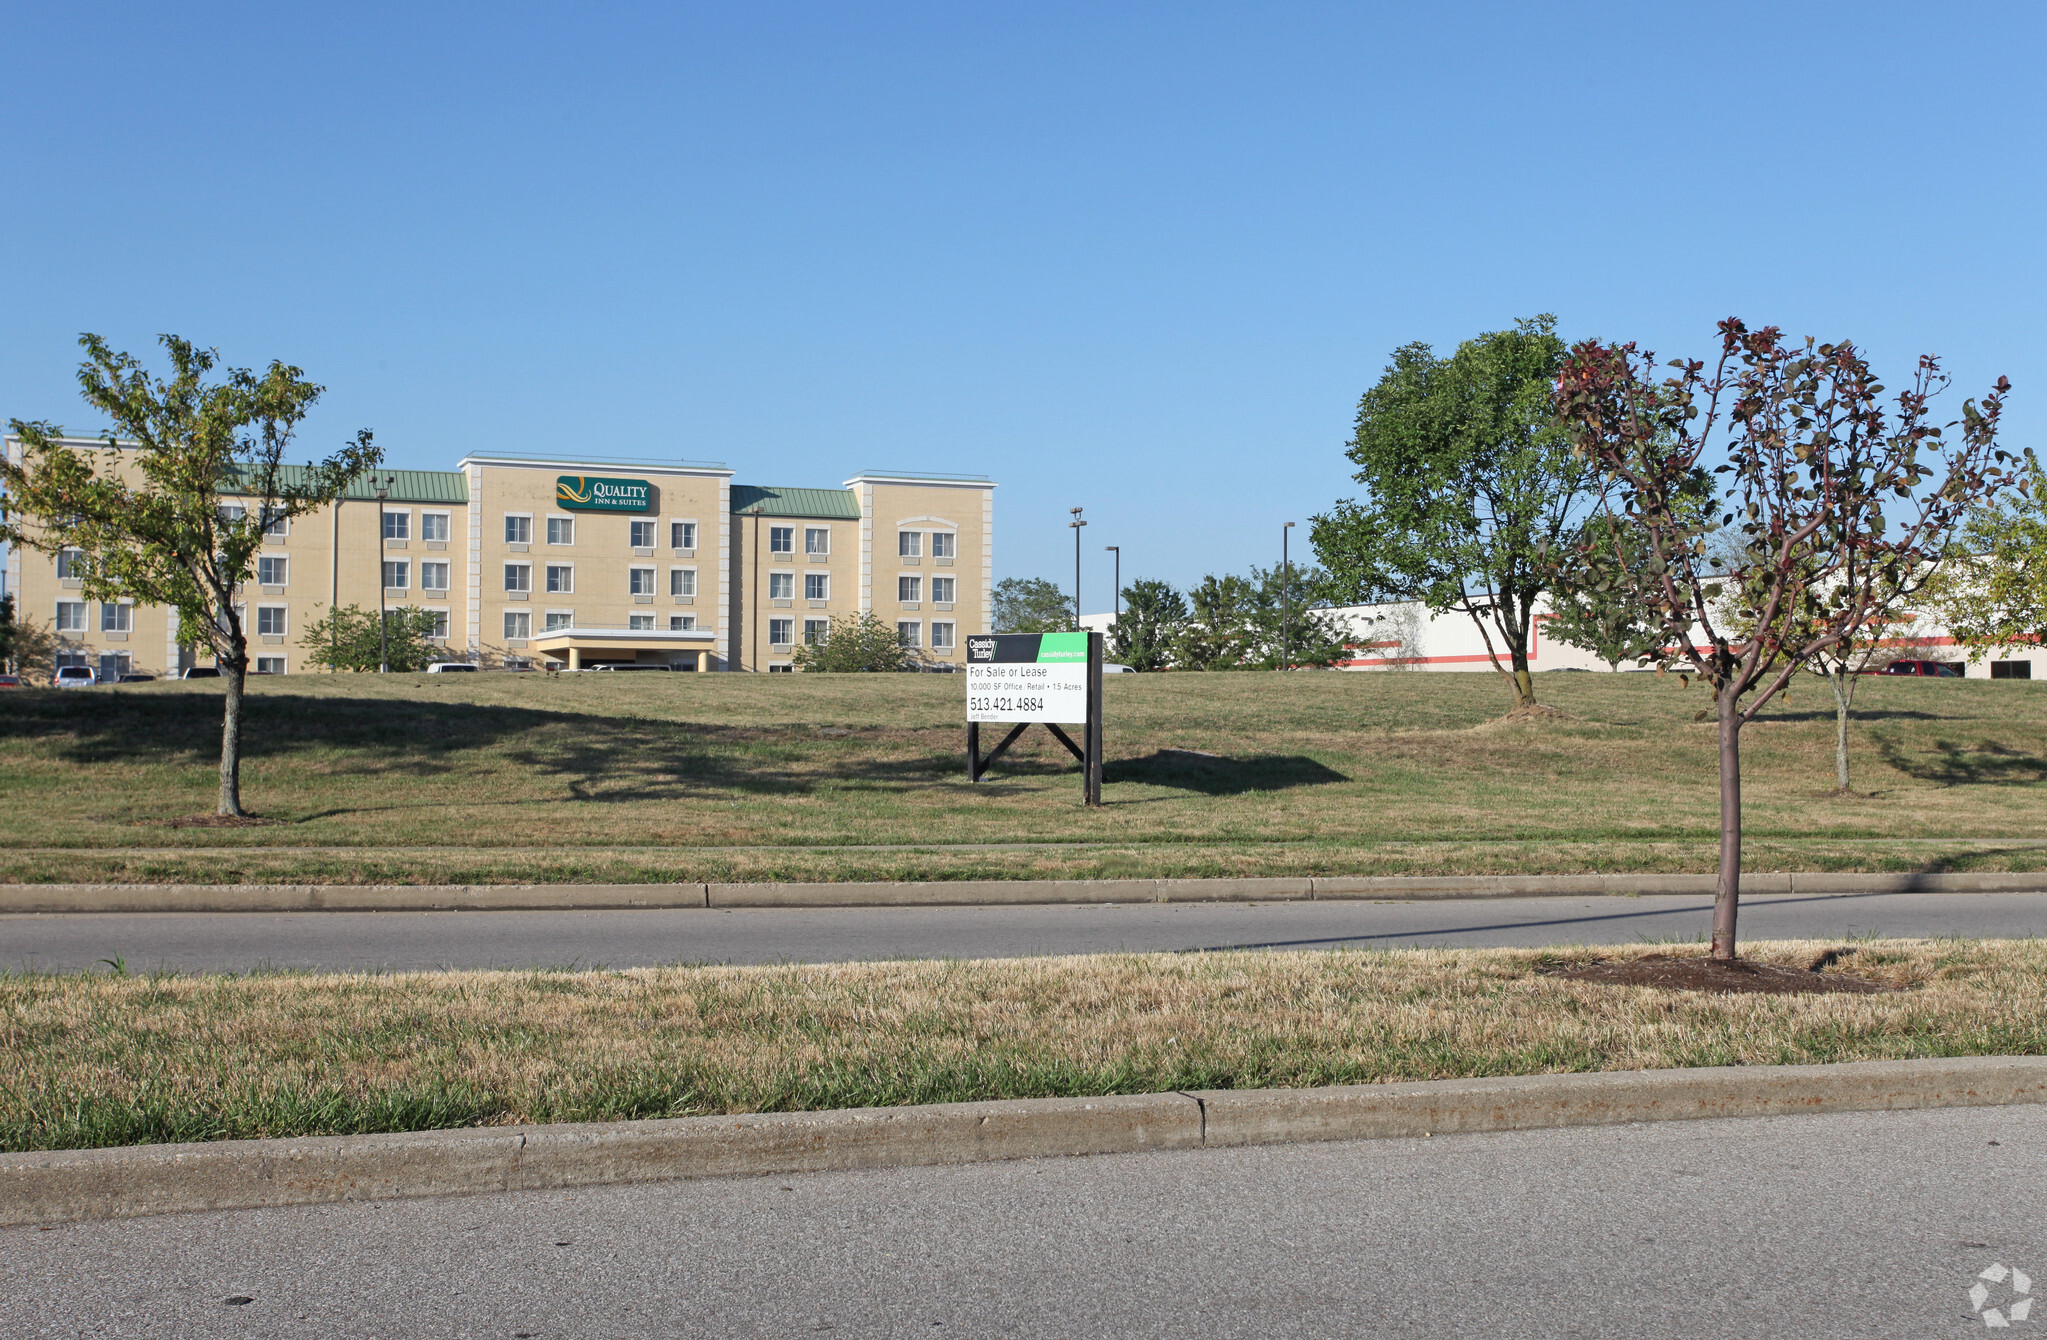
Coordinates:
[450,667]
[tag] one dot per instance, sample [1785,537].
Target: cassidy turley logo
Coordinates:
[980,648]
[2001,1296]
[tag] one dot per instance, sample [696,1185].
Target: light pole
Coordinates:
[1286,607]
[1117,550]
[1076,524]
[383,486]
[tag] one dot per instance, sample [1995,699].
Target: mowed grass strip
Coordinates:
[105,1060]
[1337,766]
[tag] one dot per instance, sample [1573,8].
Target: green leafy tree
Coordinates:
[1287,623]
[1142,637]
[1216,634]
[1993,592]
[348,639]
[1839,500]
[26,647]
[1031,605]
[1472,488]
[855,644]
[151,520]
[1595,612]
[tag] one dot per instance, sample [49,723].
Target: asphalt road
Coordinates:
[1868,1225]
[372,941]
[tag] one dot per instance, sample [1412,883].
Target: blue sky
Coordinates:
[1142,259]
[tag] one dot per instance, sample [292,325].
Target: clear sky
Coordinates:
[1141,259]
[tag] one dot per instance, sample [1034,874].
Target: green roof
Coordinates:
[410,486]
[821,504]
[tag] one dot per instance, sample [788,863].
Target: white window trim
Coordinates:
[825,552]
[128,620]
[675,521]
[57,616]
[824,577]
[282,609]
[426,563]
[285,559]
[403,565]
[445,515]
[405,513]
[514,563]
[572,579]
[553,517]
[952,624]
[691,570]
[514,516]
[901,531]
[510,616]
[547,614]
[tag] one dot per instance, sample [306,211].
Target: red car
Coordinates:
[1935,669]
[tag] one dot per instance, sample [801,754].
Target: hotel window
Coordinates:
[440,628]
[817,586]
[518,624]
[433,526]
[815,631]
[817,539]
[232,512]
[781,586]
[908,633]
[433,576]
[682,623]
[70,564]
[783,669]
[113,664]
[271,571]
[518,529]
[781,632]
[942,589]
[643,535]
[910,543]
[270,620]
[561,578]
[781,539]
[561,530]
[269,665]
[682,534]
[64,658]
[640,622]
[943,542]
[397,574]
[907,589]
[71,616]
[558,619]
[116,618]
[518,576]
[941,636]
[397,525]
[278,526]
[641,581]
[682,581]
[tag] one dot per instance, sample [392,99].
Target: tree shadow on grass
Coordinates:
[1218,776]
[1988,763]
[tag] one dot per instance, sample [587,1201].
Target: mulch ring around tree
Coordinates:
[218,821]
[1672,972]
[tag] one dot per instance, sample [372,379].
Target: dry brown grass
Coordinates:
[113,1060]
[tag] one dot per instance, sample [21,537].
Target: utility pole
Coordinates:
[1076,524]
[383,486]
[1117,550]
[1286,604]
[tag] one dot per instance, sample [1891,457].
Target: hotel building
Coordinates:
[531,560]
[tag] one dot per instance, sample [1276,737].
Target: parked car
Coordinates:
[201,672]
[10,681]
[75,677]
[625,667]
[137,677]
[1932,669]
[450,668]
[1114,668]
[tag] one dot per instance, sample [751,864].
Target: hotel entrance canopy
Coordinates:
[576,646]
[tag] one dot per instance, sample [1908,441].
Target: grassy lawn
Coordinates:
[103,1060]
[677,777]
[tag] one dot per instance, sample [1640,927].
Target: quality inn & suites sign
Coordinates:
[593,493]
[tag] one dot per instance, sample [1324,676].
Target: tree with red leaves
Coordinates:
[1835,502]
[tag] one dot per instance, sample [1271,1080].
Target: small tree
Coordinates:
[1286,621]
[348,639]
[1812,458]
[1142,636]
[1600,617]
[854,644]
[1031,605]
[1216,633]
[1994,591]
[1473,488]
[152,524]
[26,646]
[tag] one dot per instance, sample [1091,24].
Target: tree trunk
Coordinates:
[233,672]
[1727,894]
[1843,696]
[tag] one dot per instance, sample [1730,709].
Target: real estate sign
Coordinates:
[1027,677]
[590,493]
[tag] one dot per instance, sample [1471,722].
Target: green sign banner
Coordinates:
[591,493]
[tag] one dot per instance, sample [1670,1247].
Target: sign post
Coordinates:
[1047,678]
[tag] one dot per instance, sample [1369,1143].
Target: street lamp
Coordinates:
[1076,524]
[1286,610]
[1117,550]
[382,484]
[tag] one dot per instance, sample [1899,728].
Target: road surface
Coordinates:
[396,941]
[1869,1225]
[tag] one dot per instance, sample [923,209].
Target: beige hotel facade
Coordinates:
[531,561]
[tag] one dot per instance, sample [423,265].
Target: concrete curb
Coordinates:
[165,1179]
[939,893]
